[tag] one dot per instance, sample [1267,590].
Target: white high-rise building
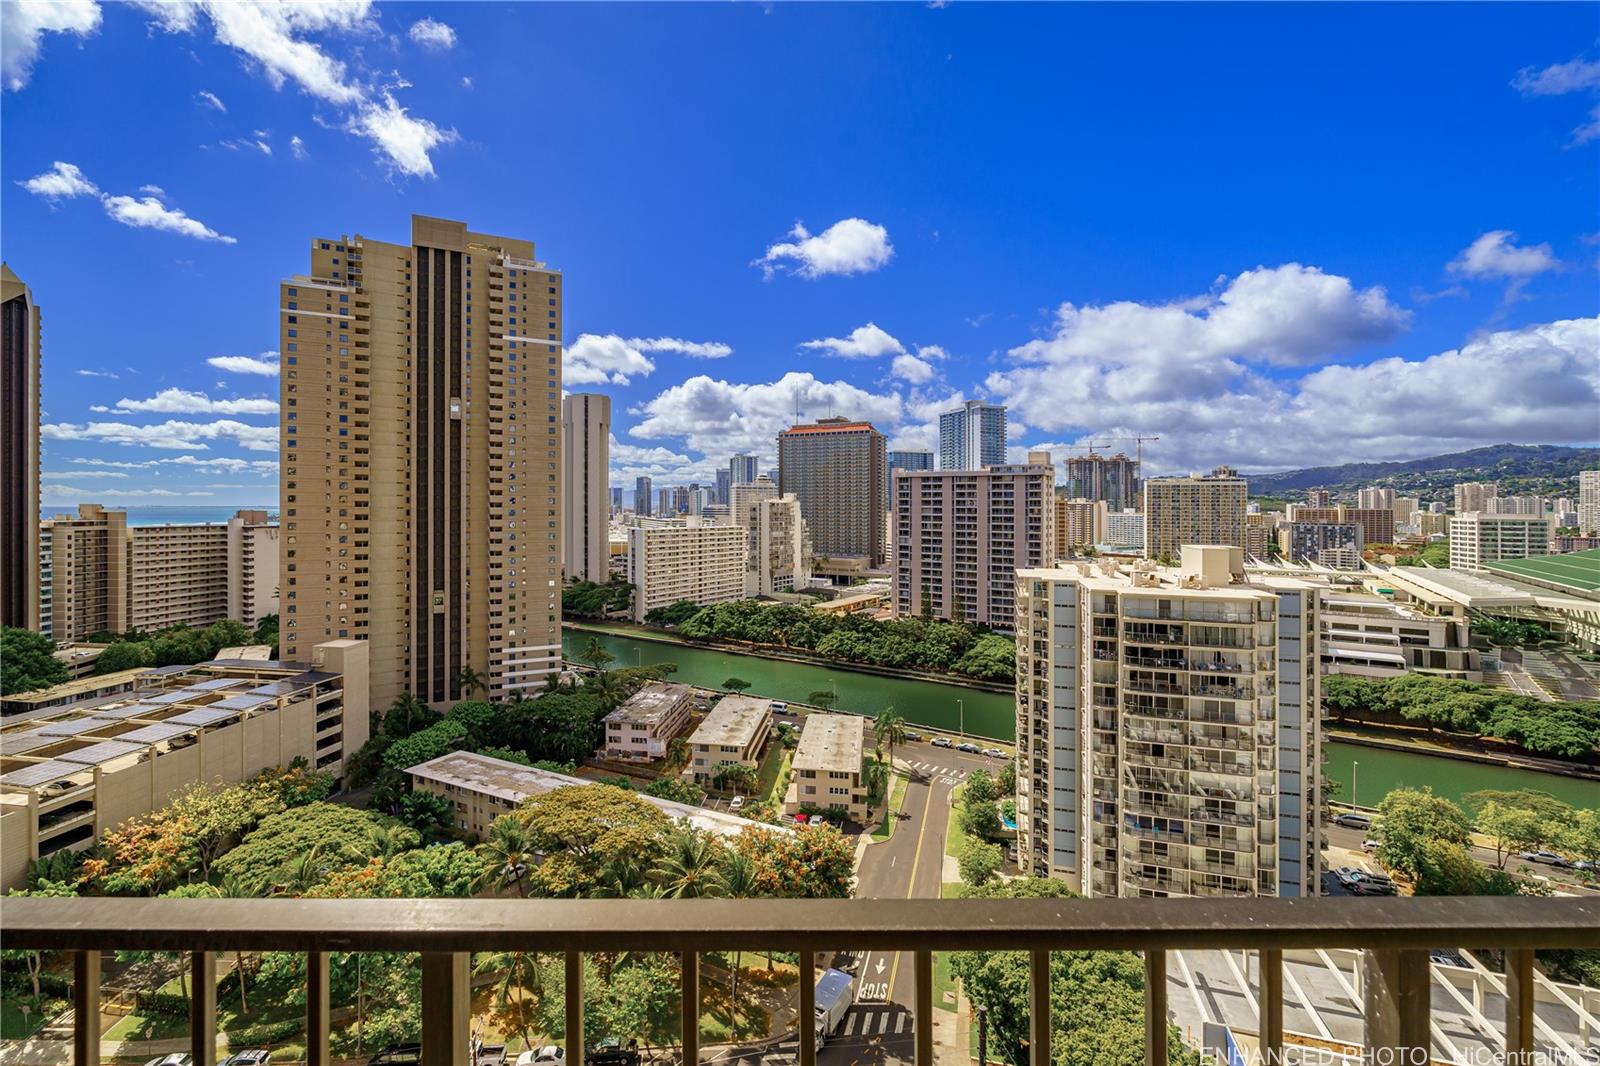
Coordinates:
[1193,510]
[1534,505]
[1167,727]
[586,482]
[1589,501]
[1375,497]
[1475,495]
[972,436]
[695,562]
[778,547]
[1477,538]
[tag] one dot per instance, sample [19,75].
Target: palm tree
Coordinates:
[507,854]
[469,680]
[385,841]
[890,725]
[595,654]
[307,871]
[621,878]
[677,755]
[690,869]
[739,882]
[516,970]
[875,775]
[405,716]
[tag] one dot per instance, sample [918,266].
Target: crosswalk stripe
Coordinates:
[900,1023]
[883,1022]
[850,1023]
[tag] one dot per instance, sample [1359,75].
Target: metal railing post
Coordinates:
[1398,1007]
[1039,1008]
[86,1008]
[574,1004]
[808,1009]
[1271,993]
[317,1021]
[1155,1008]
[922,1008]
[203,1007]
[1519,1006]
[690,1008]
[446,1007]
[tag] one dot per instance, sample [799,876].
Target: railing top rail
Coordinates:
[795,925]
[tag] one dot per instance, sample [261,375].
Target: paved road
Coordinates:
[1340,838]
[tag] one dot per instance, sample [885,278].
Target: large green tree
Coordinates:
[28,662]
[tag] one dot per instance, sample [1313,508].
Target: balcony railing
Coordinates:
[1395,980]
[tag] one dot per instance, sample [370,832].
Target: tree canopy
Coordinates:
[28,662]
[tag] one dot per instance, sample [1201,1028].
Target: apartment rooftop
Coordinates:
[1215,570]
[513,783]
[832,743]
[733,722]
[651,704]
[825,426]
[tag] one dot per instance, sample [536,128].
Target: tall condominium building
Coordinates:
[1475,495]
[47,586]
[906,460]
[777,544]
[666,503]
[421,485]
[642,504]
[1477,538]
[1405,510]
[1335,544]
[960,536]
[972,436]
[699,563]
[616,500]
[585,481]
[837,469]
[1167,728]
[741,470]
[1319,498]
[1589,501]
[20,335]
[680,498]
[108,576]
[1205,509]
[89,554]
[1534,505]
[1125,530]
[1374,498]
[724,484]
[1080,523]
[1111,478]
[1376,524]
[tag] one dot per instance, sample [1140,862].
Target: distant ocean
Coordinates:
[181,516]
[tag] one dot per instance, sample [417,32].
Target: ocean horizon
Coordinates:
[173,516]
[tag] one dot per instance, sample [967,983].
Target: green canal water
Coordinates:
[988,714]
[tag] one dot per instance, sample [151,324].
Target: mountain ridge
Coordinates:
[1495,462]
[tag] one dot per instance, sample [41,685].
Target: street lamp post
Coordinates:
[961,721]
[1354,766]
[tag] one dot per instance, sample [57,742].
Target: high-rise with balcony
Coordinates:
[1375,497]
[1589,501]
[837,469]
[741,470]
[1477,538]
[1167,728]
[1112,479]
[421,485]
[89,555]
[1475,495]
[777,545]
[972,436]
[1080,523]
[20,334]
[906,460]
[585,480]
[960,537]
[1206,509]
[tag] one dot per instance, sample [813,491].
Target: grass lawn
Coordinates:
[12,1025]
[773,776]
[897,798]
[955,838]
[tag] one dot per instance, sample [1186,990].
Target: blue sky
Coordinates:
[1275,236]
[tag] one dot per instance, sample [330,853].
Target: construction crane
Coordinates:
[1138,450]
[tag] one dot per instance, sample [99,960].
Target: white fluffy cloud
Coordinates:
[431,33]
[594,359]
[1496,254]
[663,465]
[912,369]
[693,349]
[1559,79]
[849,246]
[297,148]
[71,494]
[266,364]
[150,213]
[212,100]
[67,181]
[170,434]
[23,28]
[276,39]
[183,402]
[82,473]
[718,418]
[864,342]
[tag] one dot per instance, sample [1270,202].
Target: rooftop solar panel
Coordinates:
[203,716]
[103,752]
[219,682]
[70,728]
[151,734]
[20,743]
[243,703]
[41,773]
[132,710]
[175,696]
[277,688]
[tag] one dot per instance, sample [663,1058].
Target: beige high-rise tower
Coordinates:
[586,470]
[19,453]
[421,488]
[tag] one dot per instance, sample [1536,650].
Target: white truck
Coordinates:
[836,990]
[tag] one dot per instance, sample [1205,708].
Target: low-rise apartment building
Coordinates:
[1168,728]
[699,563]
[1335,544]
[733,732]
[480,788]
[826,771]
[71,770]
[642,727]
[1370,636]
